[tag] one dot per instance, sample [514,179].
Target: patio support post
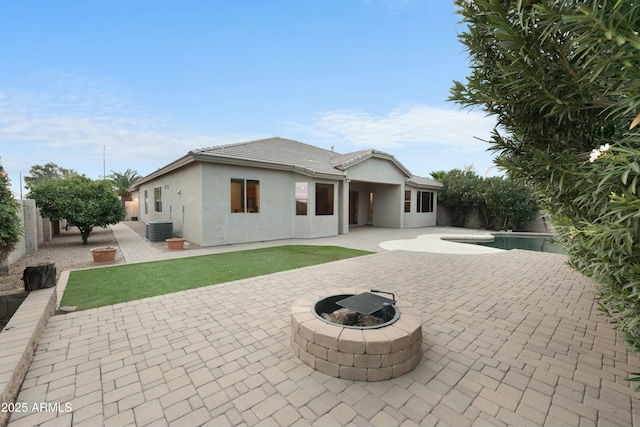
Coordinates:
[343,206]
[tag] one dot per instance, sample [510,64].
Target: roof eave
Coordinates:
[429,186]
[177,164]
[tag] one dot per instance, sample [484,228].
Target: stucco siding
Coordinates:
[415,219]
[387,211]
[276,213]
[181,201]
[322,225]
[376,170]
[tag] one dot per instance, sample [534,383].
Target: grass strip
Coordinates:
[98,287]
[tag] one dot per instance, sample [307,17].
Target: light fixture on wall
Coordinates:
[179,192]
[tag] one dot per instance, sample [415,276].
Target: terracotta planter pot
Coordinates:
[104,254]
[175,243]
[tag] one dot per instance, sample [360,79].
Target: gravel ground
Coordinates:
[66,252]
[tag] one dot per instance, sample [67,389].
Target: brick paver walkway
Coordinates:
[508,339]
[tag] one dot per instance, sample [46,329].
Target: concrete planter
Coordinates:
[104,255]
[175,243]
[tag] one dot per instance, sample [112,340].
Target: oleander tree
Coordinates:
[10,224]
[499,203]
[506,204]
[82,202]
[460,195]
[562,78]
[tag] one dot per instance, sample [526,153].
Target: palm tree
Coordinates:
[122,181]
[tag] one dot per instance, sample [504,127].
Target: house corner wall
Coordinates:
[387,206]
[415,219]
[181,202]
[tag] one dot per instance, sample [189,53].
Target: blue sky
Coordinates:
[137,84]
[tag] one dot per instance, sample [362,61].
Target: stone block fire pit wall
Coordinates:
[352,353]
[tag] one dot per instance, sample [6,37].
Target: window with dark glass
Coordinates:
[425,201]
[407,201]
[324,199]
[157,197]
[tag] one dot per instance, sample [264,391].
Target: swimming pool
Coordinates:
[528,243]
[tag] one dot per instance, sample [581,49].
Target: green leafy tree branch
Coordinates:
[562,78]
[10,224]
[84,203]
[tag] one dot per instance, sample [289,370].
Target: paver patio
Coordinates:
[508,339]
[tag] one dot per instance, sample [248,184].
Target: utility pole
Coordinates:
[104,162]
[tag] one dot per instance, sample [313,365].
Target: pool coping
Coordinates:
[454,244]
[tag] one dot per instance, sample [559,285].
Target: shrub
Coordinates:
[10,224]
[459,197]
[506,204]
[499,203]
[563,81]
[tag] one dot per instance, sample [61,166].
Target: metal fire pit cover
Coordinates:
[366,303]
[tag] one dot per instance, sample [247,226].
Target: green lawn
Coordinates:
[121,283]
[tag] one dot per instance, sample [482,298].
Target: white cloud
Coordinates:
[90,130]
[72,125]
[407,126]
[29,120]
[76,128]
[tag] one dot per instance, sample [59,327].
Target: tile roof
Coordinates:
[275,151]
[282,153]
[419,181]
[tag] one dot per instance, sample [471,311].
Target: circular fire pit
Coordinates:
[328,310]
[360,353]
